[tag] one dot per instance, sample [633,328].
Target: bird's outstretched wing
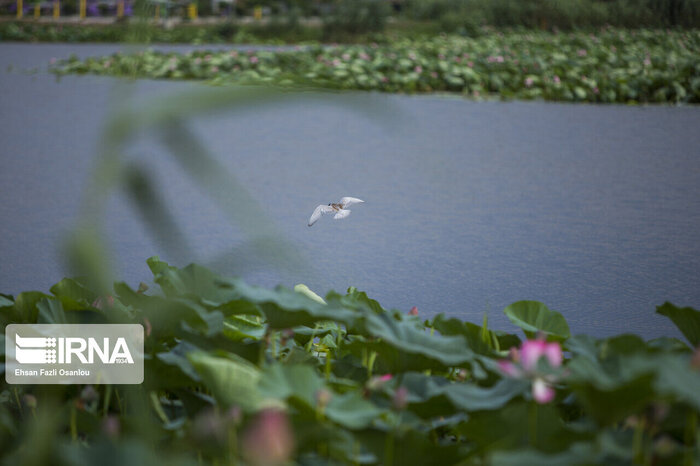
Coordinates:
[348,201]
[341,214]
[318,212]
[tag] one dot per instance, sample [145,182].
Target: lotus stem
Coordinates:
[107,399]
[73,424]
[691,428]
[532,418]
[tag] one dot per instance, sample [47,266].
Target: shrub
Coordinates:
[351,17]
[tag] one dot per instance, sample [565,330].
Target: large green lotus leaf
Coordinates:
[170,369]
[193,280]
[130,451]
[480,340]
[5,301]
[354,295]
[686,319]
[612,390]
[303,334]
[243,327]
[410,447]
[51,312]
[338,445]
[73,294]
[352,411]
[676,378]
[621,345]
[668,345]
[166,315]
[580,453]
[232,380]
[470,332]
[285,382]
[401,347]
[433,395]
[250,350]
[24,310]
[285,308]
[512,426]
[237,307]
[583,345]
[534,317]
[408,340]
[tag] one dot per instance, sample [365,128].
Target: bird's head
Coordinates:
[329,203]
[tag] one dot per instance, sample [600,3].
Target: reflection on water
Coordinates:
[594,210]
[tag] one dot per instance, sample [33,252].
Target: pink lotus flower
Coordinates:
[377,382]
[254,59]
[111,427]
[269,440]
[529,82]
[524,365]
[414,309]
[541,391]
[418,69]
[582,53]
[346,56]
[364,56]
[400,400]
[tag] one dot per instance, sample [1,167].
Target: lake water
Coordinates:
[593,210]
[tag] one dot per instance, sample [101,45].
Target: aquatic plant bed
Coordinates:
[236,374]
[606,66]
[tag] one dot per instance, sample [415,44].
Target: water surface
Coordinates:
[594,210]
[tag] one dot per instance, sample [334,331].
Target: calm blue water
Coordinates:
[594,210]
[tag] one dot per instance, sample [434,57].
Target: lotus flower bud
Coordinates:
[377,382]
[323,397]
[29,400]
[400,398]
[269,440]
[111,427]
[89,394]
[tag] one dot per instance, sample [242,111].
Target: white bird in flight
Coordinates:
[338,208]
